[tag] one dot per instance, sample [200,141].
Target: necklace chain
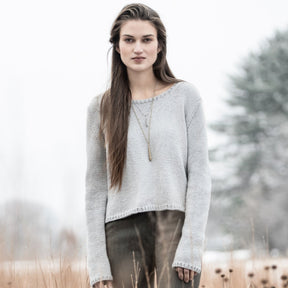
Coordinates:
[147,140]
[145,115]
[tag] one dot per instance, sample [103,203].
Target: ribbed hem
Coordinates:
[187,266]
[97,279]
[144,209]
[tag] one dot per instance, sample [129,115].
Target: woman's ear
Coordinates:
[117,49]
[159,49]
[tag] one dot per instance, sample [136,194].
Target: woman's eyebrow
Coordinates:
[147,35]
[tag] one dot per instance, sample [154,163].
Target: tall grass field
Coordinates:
[61,273]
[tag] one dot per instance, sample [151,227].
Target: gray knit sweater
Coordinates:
[177,178]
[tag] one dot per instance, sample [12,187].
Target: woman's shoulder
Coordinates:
[190,94]
[190,97]
[189,90]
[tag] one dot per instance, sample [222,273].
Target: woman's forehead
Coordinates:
[138,28]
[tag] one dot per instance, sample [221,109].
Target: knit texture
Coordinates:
[177,178]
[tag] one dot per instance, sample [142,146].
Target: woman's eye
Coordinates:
[130,40]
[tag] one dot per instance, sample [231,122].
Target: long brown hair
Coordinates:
[116,101]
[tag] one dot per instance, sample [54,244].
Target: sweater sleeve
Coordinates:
[95,199]
[190,247]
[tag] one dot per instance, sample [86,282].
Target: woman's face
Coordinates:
[138,45]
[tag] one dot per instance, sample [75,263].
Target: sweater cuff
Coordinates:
[187,266]
[189,253]
[98,270]
[94,280]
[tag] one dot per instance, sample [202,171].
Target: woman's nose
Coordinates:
[138,47]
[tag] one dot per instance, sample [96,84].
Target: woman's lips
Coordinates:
[138,59]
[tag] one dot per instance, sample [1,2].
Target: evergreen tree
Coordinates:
[257,146]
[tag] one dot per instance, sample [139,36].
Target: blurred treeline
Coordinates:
[31,231]
[251,199]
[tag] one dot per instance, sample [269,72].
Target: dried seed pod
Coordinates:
[264,281]
[218,270]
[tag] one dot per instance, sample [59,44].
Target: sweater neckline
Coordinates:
[157,97]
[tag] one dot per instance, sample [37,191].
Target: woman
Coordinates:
[148,181]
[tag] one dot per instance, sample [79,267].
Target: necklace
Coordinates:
[147,140]
[145,115]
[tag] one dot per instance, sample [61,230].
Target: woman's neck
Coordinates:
[142,84]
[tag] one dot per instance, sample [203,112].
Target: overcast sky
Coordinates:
[53,60]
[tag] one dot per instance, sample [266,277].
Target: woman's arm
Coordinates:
[96,197]
[190,248]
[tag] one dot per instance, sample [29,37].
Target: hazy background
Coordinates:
[53,60]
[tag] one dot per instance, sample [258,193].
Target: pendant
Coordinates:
[146,122]
[149,153]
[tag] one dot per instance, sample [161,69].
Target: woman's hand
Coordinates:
[101,284]
[185,274]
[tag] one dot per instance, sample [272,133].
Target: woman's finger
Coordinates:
[186,275]
[180,272]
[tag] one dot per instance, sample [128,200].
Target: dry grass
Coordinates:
[259,273]
[59,274]
[43,274]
